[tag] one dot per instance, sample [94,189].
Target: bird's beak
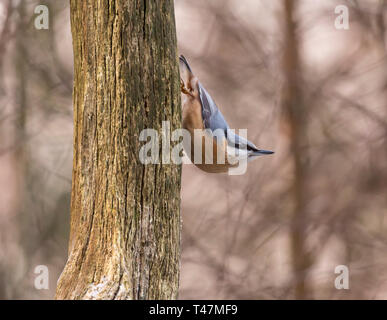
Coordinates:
[264,152]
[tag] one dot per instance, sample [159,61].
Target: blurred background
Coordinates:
[315,94]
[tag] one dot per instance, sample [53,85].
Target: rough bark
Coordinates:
[294,121]
[125,216]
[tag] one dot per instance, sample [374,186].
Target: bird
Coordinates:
[203,120]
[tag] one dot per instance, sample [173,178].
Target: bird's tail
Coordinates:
[186,74]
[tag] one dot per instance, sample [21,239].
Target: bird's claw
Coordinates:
[184,89]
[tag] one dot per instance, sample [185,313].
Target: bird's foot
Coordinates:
[184,89]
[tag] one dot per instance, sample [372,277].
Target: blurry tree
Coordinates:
[246,245]
[15,156]
[125,216]
[294,122]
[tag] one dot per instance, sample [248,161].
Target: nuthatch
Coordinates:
[200,113]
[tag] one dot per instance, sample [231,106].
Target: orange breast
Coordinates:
[192,120]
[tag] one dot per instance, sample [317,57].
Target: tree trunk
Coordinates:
[125,216]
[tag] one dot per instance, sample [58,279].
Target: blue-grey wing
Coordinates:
[212,117]
[234,140]
[214,120]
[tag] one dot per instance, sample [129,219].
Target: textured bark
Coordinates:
[294,121]
[125,216]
